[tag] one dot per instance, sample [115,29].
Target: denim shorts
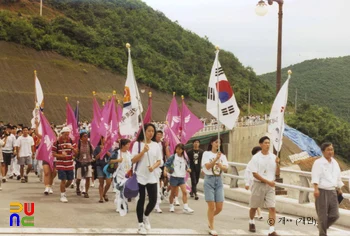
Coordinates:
[65,174]
[213,188]
[176,181]
[100,173]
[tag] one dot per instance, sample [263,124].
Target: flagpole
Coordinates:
[280,128]
[139,107]
[217,97]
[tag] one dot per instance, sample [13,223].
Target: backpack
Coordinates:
[131,188]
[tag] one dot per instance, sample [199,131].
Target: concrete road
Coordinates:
[81,216]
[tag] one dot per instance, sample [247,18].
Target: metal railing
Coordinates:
[304,176]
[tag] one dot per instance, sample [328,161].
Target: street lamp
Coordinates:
[261,10]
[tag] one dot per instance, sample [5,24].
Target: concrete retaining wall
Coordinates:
[283,204]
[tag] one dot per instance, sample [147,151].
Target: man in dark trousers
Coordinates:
[195,156]
[327,183]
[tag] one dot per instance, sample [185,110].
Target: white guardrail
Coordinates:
[304,176]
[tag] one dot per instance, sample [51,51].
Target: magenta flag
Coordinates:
[190,124]
[109,122]
[95,123]
[173,116]
[48,139]
[72,123]
[171,137]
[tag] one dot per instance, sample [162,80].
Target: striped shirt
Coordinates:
[61,146]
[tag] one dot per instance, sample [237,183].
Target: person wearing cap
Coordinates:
[63,151]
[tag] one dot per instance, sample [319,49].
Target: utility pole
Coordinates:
[41,7]
[296,100]
[249,102]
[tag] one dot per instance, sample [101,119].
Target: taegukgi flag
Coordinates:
[221,101]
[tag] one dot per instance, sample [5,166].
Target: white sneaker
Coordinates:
[142,230]
[147,223]
[50,191]
[64,199]
[172,208]
[46,192]
[117,210]
[177,203]
[188,210]
[158,210]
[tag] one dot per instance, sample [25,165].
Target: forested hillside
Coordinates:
[325,82]
[166,56]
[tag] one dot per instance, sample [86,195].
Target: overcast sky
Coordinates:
[311,28]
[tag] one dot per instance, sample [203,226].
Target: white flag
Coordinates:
[220,88]
[276,124]
[39,103]
[129,123]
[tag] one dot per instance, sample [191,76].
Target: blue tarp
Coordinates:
[303,141]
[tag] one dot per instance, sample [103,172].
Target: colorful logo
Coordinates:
[225,91]
[127,97]
[27,220]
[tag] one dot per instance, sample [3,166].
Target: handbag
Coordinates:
[131,188]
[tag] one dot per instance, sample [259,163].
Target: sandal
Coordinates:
[105,198]
[86,195]
[101,201]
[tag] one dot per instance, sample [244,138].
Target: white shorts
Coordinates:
[88,174]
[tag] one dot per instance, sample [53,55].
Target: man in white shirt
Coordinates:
[7,151]
[25,153]
[327,183]
[264,166]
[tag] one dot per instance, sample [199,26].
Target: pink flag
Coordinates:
[48,139]
[190,124]
[95,124]
[171,137]
[148,115]
[110,124]
[72,123]
[173,116]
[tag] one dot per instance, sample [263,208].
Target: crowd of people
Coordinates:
[159,172]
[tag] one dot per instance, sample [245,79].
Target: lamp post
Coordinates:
[261,10]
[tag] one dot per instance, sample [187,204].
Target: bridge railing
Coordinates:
[304,176]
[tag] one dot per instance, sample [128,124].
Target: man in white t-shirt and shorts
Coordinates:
[264,166]
[25,153]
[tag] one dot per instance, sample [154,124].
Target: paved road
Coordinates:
[82,216]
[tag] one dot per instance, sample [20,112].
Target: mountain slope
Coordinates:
[61,77]
[166,56]
[324,82]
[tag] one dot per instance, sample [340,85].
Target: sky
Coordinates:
[311,28]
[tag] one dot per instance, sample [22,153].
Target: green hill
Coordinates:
[324,82]
[166,56]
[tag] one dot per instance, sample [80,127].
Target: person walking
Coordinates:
[83,164]
[7,151]
[264,166]
[178,166]
[147,156]
[63,150]
[249,180]
[101,162]
[195,157]
[25,153]
[214,162]
[327,186]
